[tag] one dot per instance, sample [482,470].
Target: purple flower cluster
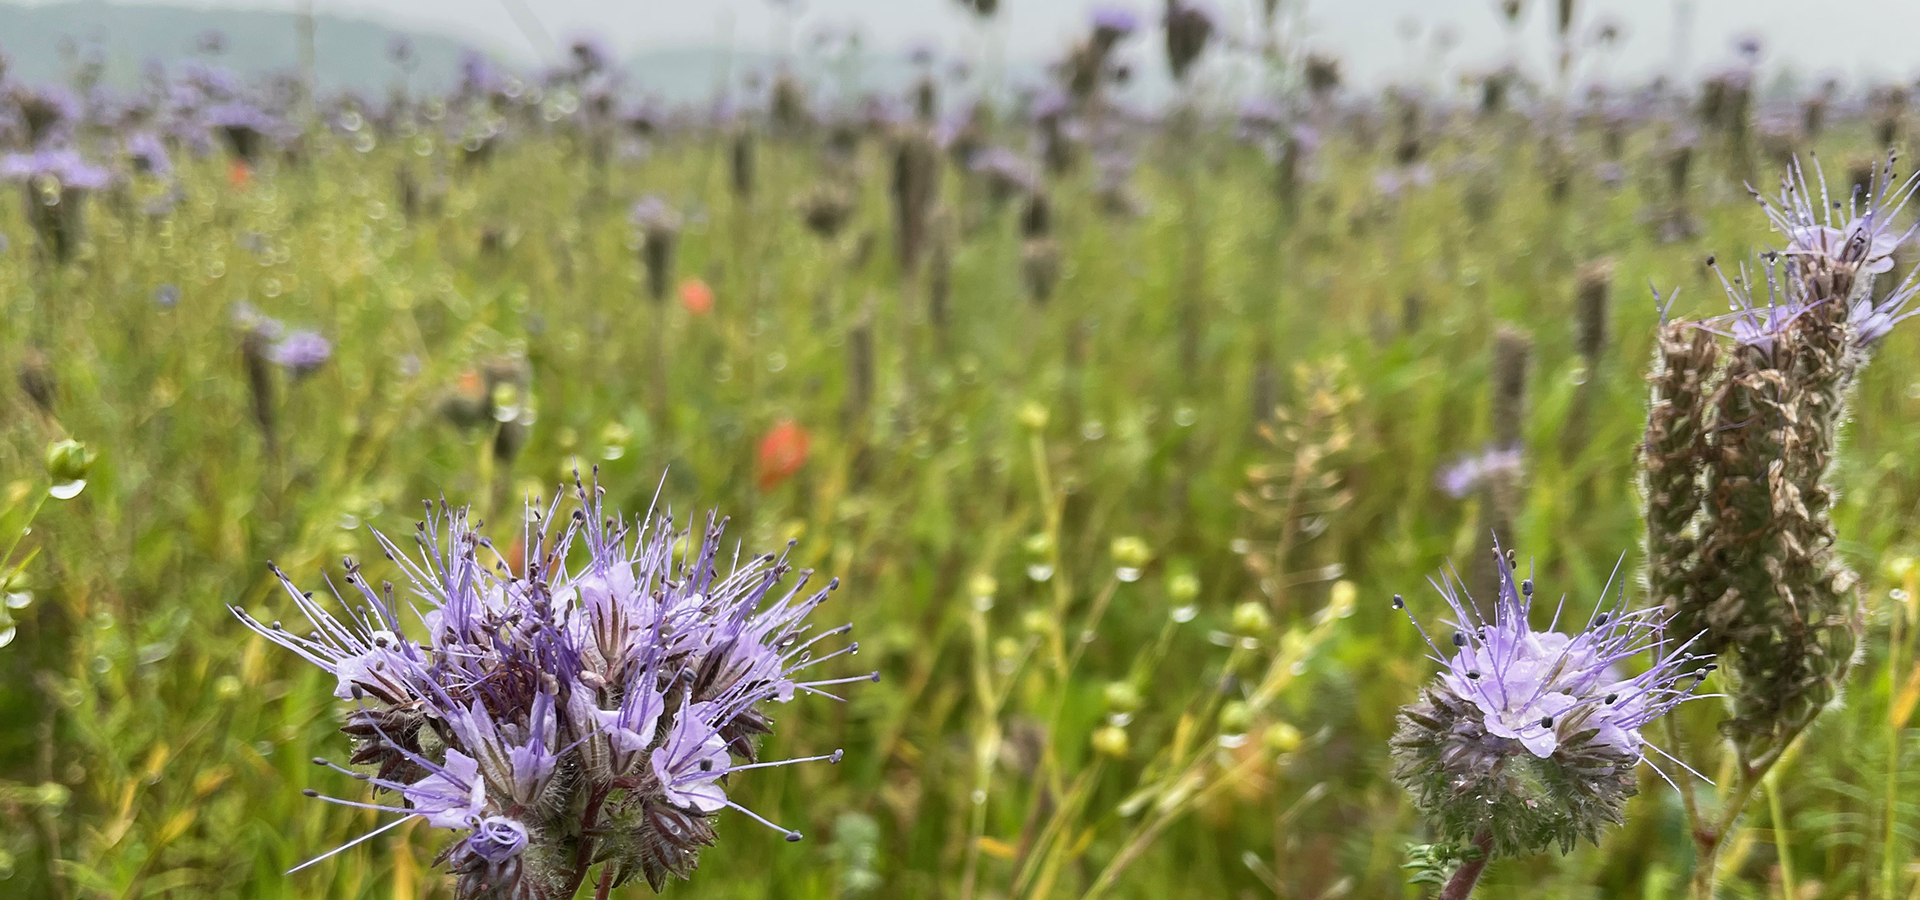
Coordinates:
[65,167]
[1532,736]
[559,715]
[654,216]
[1466,474]
[302,352]
[1827,259]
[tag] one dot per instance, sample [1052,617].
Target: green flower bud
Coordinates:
[1281,737]
[1235,715]
[1038,544]
[1111,741]
[1131,552]
[68,460]
[1251,619]
[1033,415]
[1121,696]
[1183,588]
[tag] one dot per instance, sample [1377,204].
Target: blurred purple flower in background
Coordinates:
[302,352]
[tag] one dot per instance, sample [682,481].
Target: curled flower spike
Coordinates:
[561,715]
[1527,737]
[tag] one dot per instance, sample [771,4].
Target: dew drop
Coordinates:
[1185,613]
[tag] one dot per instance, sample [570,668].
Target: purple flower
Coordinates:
[635,676]
[498,839]
[1864,241]
[66,167]
[244,126]
[691,762]
[589,53]
[302,352]
[1466,474]
[1007,173]
[148,154]
[1530,735]
[166,296]
[1827,260]
[1112,23]
[653,215]
[45,112]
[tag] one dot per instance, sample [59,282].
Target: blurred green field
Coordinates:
[969,493]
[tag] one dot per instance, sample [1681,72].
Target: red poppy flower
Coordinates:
[696,296]
[239,174]
[782,452]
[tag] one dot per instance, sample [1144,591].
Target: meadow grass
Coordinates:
[155,747]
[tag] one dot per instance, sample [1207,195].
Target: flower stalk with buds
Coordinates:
[1737,477]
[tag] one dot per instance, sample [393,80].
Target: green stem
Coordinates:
[32,514]
[1782,844]
[1889,860]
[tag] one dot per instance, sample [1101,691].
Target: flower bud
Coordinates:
[1183,588]
[1039,544]
[1036,621]
[1130,552]
[1110,740]
[1033,415]
[68,460]
[1235,716]
[1121,696]
[1281,737]
[1251,619]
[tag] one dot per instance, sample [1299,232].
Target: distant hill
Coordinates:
[43,43]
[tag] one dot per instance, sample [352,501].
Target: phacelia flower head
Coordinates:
[584,704]
[148,154]
[245,128]
[1466,474]
[45,112]
[67,169]
[1531,737]
[1112,24]
[302,352]
[1829,258]
[655,216]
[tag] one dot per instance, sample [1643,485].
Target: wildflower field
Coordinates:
[1159,456]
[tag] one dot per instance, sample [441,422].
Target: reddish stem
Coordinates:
[1460,886]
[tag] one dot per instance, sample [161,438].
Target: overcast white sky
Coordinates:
[1849,37]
